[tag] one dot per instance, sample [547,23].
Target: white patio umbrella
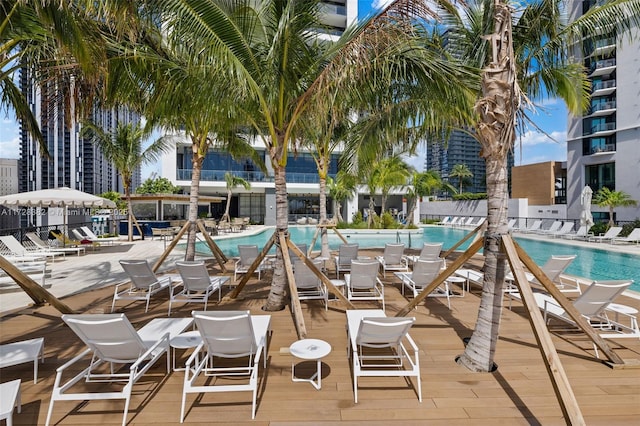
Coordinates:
[58,197]
[585,199]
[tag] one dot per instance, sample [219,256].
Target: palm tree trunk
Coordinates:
[383,207]
[338,211]
[277,294]
[480,351]
[324,237]
[496,134]
[412,208]
[193,206]
[372,211]
[127,194]
[226,216]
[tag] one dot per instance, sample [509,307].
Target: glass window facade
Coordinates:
[601,175]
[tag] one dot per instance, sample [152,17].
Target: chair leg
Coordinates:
[184,401]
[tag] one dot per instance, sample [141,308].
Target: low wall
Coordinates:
[517,207]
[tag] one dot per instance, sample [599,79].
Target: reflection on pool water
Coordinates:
[594,263]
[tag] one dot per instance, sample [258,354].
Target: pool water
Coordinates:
[594,263]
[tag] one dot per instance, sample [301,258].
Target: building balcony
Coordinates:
[602,109]
[603,67]
[603,47]
[255,176]
[600,129]
[603,88]
[602,149]
[333,15]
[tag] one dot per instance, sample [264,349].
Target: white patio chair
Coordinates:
[611,233]
[248,253]
[423,274]
[444,221]
[393,259]
[112,340]
[535,227]
[553,269]
[89,234]
[555,226]
[237,340]
[309,286]
[430,251]
[381,346]
[14,248]
[144,283]
[197,285]
[581,234]
[633,237]
[346,253]
[38,242]
[596,305]
[567,227]
[294,258]
[363,283]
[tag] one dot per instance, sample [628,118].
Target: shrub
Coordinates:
[470,196]
[387,221]
[357,218]
[628,227]
[599,228]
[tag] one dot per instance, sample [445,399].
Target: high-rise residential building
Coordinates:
[459,148]
[73,160]
[8,176]
[603,145]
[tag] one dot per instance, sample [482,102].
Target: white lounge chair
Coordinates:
[248,253]
[111,339]
[611,233]
[197,285]
[444,221]
[381,346]
[303,248]
[14,248]
[38,242]
[567,227]
[633,237]
[346,253]
[429,251]
[144,283]
[235,336]
[553,269]
[581,234]
[424,272]
[94,238]
[9,399]
[363,283]
[393,259]
[555,226]
[535,227]
[309,286]
[596,305]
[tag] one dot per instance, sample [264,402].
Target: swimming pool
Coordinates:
[594,263]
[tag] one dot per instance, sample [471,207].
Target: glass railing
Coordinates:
[602,106]
[600,127]
[333,9]
[601,85]
[610,41]
[218,176]
[605,63]
[598,149]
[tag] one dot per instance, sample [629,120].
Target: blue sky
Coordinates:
[532,147]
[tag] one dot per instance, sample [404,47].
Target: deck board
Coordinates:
[519,392]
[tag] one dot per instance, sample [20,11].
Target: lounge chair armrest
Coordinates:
[120,285]
[73,360]
[196,353]
[412,343]
[148,354]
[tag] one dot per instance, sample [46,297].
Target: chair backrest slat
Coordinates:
[380,332]
[139,272]
[194,274]
[227,334]
[363,274]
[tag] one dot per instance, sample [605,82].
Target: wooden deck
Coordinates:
[519,392]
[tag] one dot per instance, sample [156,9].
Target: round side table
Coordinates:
[310,349]
[189,339]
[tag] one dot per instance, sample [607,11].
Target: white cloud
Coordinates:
[10,148]
[531,138]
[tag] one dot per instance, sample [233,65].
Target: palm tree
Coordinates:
[341,188]
[523,56]
[257,65]
[391,172]
[421,184]
[605,197]
[124,148]
[232,182]
[462,172]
